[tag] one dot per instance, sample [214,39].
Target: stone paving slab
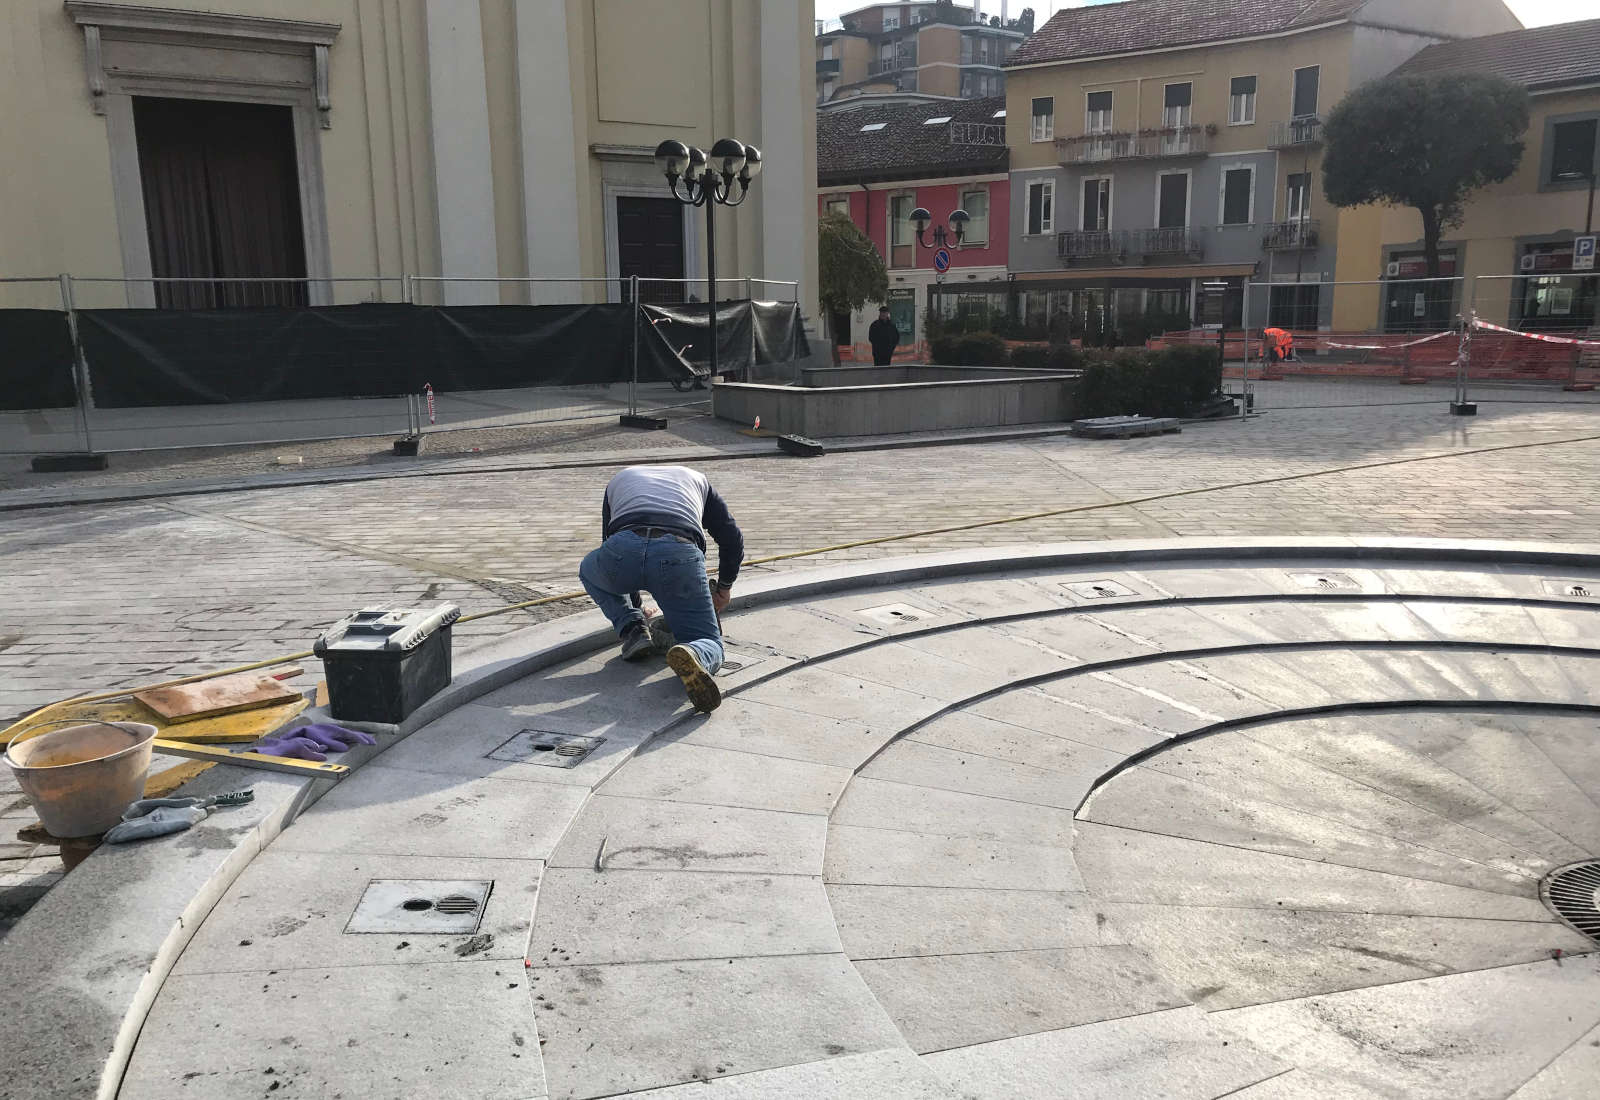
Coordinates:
[289,910]
[725,777]
[934,766]
[1170,1053]
[369,1031]
[882,804]
[885,922]
[624,916]
[704,1019]
[946,1001]
[745,724]
[883,1075]
[1574,1071]
[894,857]
[1412,1037]
[647,834]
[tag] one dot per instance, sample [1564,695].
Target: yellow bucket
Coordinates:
[81,778]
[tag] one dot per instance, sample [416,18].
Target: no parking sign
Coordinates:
[941,260]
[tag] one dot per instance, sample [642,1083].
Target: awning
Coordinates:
[1133,271]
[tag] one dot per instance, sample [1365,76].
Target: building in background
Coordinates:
[1525,226]
[924,49]
[1159,149]
[342,138]
[883,161]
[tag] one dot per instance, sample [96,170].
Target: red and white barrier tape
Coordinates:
[1567,340]
[427,389]
[1387,347]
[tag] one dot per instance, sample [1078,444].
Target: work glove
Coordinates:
[290,745]
[152,817]
[333,738]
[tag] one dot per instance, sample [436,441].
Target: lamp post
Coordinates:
[709,182]
[958,227]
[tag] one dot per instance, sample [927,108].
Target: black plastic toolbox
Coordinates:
[384,663]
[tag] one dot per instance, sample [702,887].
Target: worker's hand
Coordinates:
[720,597]
[331,738]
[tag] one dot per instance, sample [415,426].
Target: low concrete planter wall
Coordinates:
[904,373]
[824,411]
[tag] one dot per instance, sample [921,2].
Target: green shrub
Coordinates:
[945,350]
[1136,382]
[1030,357]
[1053,357]
[981,349]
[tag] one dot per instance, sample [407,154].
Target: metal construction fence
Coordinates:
[366,356]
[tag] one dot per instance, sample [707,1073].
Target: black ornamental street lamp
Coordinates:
[709,182]
[958,227]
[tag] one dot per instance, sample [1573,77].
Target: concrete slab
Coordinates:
[747,725]
[602,690]
[1170,628]
[945,1001]
[648,834]
[1573,1073]
[1297,1084]
[1570,626]
[288,911]
[611,1029]
[1168,1054]
[831,691]
[1477,622]
[1461,1036]
[724,777]
[1238,765]
[883,1075]
[892,857]
[1263,677]
[1077,638]
[964,731]
[923,765]
[390,811]
[989,597]
[1229,958]
[1568,743]
[919,671]
[620,916]
[369,1031]
[461,743]
[1122,693]
[1133,866]
[880,922]
[1033,709]
[1153,802]
[880,804]
[1002,658]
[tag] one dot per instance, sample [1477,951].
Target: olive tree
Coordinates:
[850,271]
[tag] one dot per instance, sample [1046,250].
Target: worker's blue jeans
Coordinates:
[672,571]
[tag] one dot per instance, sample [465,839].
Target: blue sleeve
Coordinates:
[730,541]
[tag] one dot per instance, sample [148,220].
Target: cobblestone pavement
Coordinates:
[118,594]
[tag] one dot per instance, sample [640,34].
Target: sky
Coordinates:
[1533,13]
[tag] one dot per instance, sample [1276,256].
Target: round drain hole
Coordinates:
[416,905]
[1573,894]
[456,904]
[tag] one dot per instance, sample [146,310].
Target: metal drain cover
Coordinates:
[1590,589]
[553,750]
[737,661]
[1573,894]
[1326,582]
[1097,590]
[896,614]
[421,906]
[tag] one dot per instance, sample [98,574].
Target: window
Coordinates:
[1097,205]
[1001,113]
[1305,91]
[1097,120]
[1172,201]
[873,126]
[839,206]
[1041,207]
[976,204]
[902,236]
[891,22]
[1044,119]
[1238,196]
[827,51]
[1297,202]
[936,120]
[1178,105]
[1242,101]
[1572,150]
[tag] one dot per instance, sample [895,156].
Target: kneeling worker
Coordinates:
[652,520]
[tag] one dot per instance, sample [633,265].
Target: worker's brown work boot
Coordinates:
[697,682]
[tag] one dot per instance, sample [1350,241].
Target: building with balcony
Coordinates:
[938,49]
[879,163]
[1158,146]
[1524,227]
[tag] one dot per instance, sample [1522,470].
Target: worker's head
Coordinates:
[883,313]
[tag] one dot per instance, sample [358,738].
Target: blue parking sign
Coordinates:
[1583,254]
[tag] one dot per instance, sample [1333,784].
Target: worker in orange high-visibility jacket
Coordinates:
[1277,345]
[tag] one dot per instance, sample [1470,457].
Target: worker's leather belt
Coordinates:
[658,532]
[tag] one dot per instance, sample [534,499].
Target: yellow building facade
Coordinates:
[428,137]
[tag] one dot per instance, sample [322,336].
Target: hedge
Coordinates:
[980,349]
[1135,382]
[1053,357]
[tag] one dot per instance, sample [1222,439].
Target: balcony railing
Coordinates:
[906,59]
[1171,243]
[828,66]
[1176,142]
[1297,131]
[1077,246]
[1288,236]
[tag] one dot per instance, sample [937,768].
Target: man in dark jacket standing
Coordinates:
[883,337]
